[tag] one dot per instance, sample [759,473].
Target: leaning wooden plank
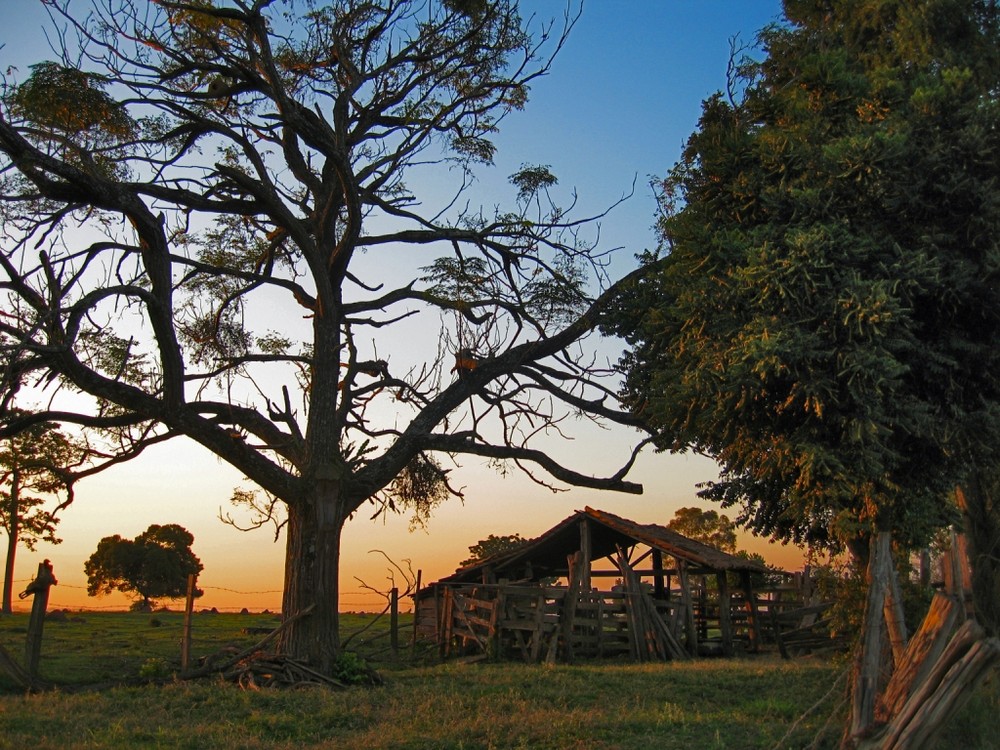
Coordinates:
[674,648]
[961,642]
[16,672]
[462,619]
[213,666]
[929,709]
[923,650]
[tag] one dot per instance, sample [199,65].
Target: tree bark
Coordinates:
[983,532]
[895,619]
[312,569]
[869,660]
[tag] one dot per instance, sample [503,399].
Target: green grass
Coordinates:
[724,703]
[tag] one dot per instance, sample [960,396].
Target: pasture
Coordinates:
[751,702]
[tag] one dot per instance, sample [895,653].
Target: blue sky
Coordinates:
[619,103]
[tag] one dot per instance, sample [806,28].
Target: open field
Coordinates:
[734,703]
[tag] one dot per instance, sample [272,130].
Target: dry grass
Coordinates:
[734,704]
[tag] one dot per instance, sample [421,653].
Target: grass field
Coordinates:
[733,703]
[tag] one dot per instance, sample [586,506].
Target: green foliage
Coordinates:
[419,488]
[156,564]
[493,545]
[70,101]
[74,114]
[821,320]
[155,668]
[531,179]
[351,669]
[33,468]
[706,526]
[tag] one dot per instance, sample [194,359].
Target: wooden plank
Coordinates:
[536,642]
[646,572]
[39,588]
[963,650]
[923,650]
[570,603]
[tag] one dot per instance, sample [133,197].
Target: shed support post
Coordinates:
[725,613]
[658,574]
[753,616]
[690,627]
[585,556]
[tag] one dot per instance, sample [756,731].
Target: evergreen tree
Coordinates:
[825,320]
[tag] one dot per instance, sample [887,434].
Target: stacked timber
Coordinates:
[651,638]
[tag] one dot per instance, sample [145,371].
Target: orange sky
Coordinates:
[184,484]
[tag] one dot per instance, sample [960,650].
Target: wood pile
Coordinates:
[263,670]
[255,667]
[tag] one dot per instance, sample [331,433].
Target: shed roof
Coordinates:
[607,532]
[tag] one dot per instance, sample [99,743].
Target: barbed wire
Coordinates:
[360,593]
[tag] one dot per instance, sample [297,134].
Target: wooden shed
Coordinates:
[596,585]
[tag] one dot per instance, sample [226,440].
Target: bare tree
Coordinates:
[211,230]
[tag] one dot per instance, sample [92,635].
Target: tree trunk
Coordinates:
[312,568]
[869,660]
[13,532]
[982,527]
[895,619]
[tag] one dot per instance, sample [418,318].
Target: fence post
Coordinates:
[394,622]
[186,635]
[44,580]
[416,612]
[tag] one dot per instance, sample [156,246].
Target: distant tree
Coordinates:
[706,526]
[35,469]
[826,320]
[224,221]
[154,565]
[493,545]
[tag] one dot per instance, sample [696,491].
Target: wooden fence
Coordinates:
[548,623]
[537,623]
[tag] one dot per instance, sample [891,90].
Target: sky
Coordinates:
[620,101]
